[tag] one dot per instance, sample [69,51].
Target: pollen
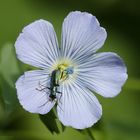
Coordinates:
[63,66]
[65,69]
[62,63]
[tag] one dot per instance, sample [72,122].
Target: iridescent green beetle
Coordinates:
[58,76]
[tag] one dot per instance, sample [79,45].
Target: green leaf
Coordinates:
[9,96]
[8,64]
[49,120]
[8,73]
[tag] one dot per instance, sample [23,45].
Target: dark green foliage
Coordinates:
[49,121]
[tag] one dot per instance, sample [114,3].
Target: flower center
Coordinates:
[62,73]
[64,70]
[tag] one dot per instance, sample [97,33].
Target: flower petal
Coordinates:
[78,107]
[104,73]
[31,92]
[37,44]
[81,35]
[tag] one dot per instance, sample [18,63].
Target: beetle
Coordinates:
[57,76]
[54,83]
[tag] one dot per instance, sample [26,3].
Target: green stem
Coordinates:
[90,134]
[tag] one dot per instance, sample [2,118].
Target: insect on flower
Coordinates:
[67,74]
[56,77]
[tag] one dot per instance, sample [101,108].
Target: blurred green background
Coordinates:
[121,19]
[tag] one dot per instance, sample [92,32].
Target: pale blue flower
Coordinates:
[87,71]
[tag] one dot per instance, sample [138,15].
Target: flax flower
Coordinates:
[102,73]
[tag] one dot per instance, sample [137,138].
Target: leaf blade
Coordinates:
[49,121]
